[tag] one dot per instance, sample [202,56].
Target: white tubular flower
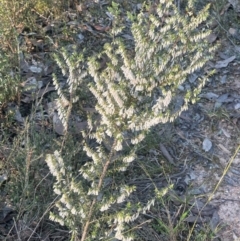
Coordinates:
[93,191]
[129,159]
[115,96]
[121,198]
[105,207]
[57,191]
[162,103]
[118,146]
[138,139]
[129,75]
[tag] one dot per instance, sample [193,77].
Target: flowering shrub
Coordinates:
[136,91]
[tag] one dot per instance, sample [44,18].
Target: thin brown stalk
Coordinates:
[105,168]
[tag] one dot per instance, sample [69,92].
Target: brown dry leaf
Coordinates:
[90,110]
[101,28]
[48,28]
[58,125]
[24,65]
[215,220]
[223,148]
[166,154]
[225,8]
[26,99]
[196,219]
[80,126]
[223,98]
[224,63]
[211,37]
[35,69]
[210,96]
[37,42]
[226,133]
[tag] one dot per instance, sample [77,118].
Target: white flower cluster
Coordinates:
[56,165]
[135,91]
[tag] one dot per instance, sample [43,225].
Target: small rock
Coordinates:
[237,106]
[207,145]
